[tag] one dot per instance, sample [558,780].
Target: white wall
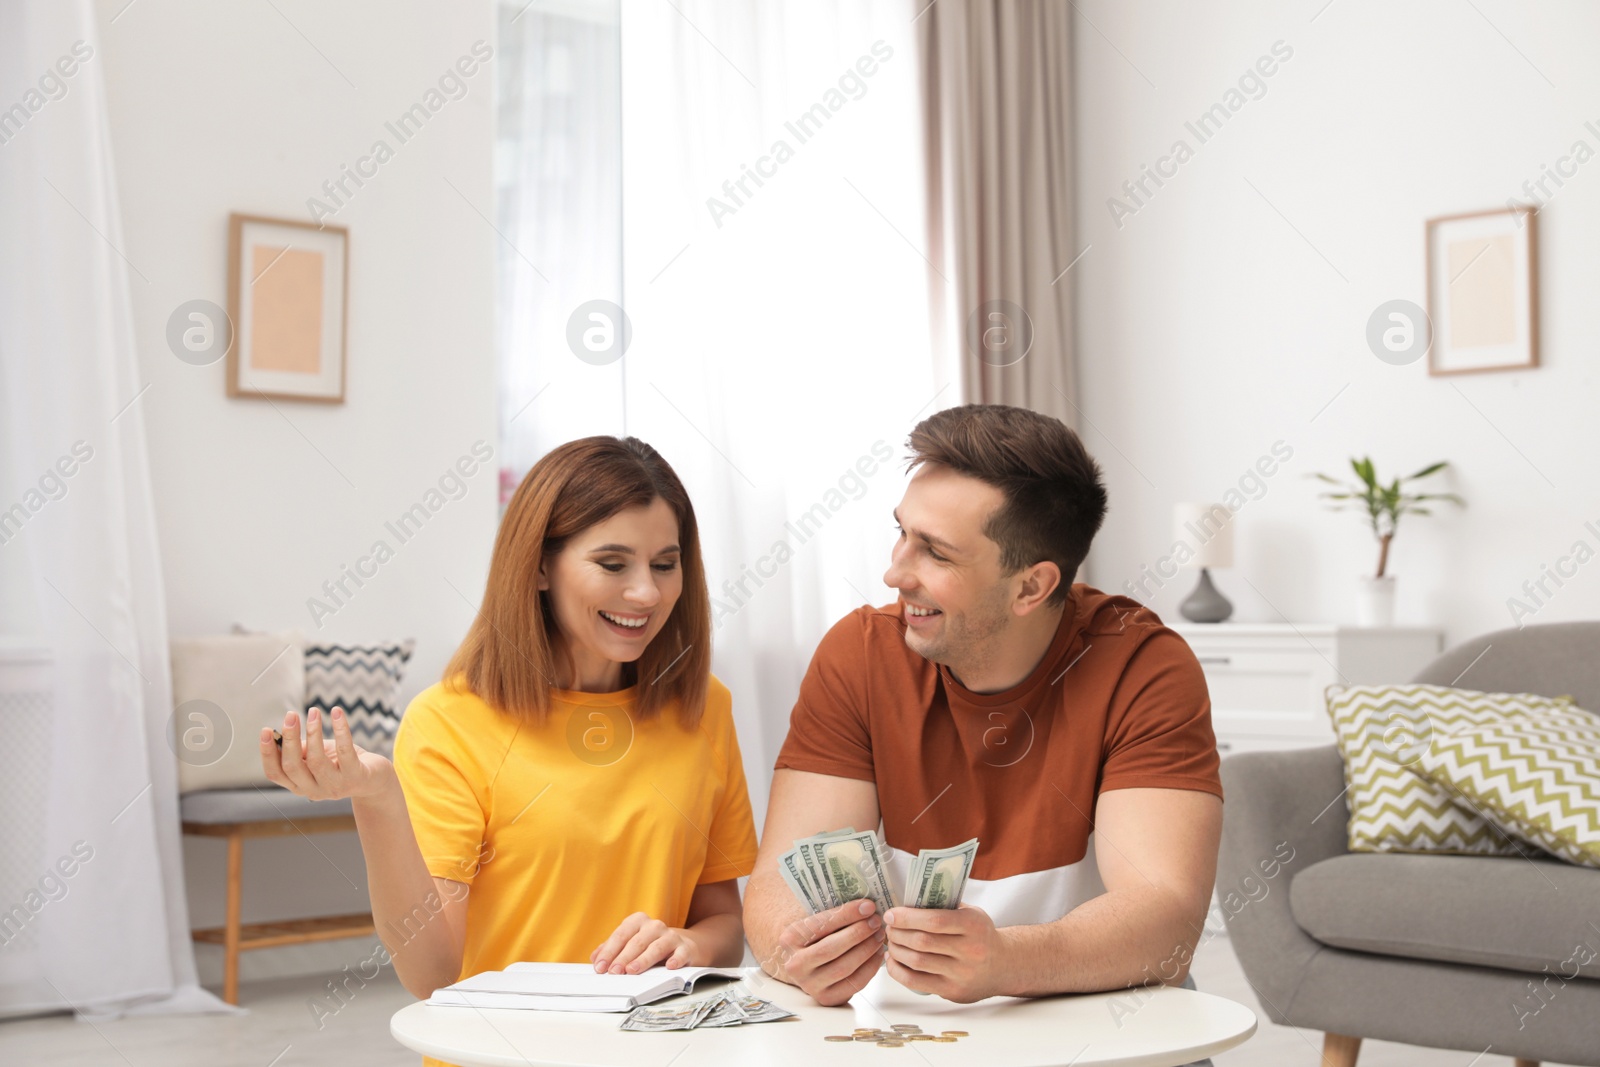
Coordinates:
[236,107]
[1209,329]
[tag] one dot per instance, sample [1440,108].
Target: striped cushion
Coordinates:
[364,680]
[1382,731]
[1539,779]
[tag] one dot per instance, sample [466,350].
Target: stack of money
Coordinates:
[834,868]
[725,1008]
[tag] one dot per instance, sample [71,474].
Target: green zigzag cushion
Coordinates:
[1539,779]
[1382,731]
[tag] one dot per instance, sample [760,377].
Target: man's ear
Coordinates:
[1038,582]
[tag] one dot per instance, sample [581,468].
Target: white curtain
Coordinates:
[780,340]
[81,575]
[558,180]
[780,349]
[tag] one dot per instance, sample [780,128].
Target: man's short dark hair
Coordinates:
[1054,497]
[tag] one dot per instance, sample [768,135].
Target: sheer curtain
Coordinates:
[94,915]
[558,173]
[773,269]
[775,273]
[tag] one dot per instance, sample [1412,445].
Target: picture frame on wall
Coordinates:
[1483,291]
[288,284]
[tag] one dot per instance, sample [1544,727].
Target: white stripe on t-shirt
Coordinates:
[1022,899]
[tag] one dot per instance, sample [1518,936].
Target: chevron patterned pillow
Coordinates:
[364,680]
[1538,778]
[1382,731]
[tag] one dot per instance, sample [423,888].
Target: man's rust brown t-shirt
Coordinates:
[1119,701]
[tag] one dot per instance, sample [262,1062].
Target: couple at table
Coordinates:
[572,790]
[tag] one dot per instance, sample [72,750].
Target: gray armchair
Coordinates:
[1447,951]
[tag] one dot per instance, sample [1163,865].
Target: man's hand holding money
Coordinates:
[957,953]
[833,954]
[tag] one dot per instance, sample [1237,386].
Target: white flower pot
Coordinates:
[1376,604]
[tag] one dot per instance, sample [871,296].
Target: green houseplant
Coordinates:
[1383,505]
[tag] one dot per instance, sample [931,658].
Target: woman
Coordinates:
[572,790]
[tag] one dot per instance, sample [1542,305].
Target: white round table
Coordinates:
[1160,1026]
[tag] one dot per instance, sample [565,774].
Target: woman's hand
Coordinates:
[642,942]
[322,769]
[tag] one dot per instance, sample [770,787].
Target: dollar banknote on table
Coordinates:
[737,1009]
[726,1007]
[829,869]
[685,1016]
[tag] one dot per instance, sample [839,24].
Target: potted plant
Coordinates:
[1384,504]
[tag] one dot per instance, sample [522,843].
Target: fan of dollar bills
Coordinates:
[827,870]
[727,1007]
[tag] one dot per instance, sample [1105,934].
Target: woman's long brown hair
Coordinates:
[509,656]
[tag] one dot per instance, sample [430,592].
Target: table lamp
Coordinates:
[1208,529]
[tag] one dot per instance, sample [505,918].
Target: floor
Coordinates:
[284,1029]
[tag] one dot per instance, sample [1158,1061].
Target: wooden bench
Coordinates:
[268,811]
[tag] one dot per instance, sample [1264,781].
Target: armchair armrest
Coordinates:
[1284,812]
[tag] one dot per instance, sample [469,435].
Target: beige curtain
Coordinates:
[997,98]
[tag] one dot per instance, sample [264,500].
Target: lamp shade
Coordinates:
[1208,531]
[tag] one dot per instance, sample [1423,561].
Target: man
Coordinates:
[1067,729]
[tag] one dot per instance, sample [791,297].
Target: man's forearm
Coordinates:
[1116,940]
[766,914]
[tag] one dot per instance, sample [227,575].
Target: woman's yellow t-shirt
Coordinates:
[563,830]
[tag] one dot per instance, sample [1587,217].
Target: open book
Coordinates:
[572,987]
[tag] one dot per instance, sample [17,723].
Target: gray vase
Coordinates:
[1205,604]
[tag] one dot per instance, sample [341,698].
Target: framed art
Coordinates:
[1483,291]
[287,287]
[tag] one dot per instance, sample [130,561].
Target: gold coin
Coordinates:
[953,1033]
[891,1044]
[838,1037]
[922,1037]
[945,1040]
[867,1037]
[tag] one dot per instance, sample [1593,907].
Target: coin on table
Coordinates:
[891,1044]
[943,1040]
[867,1037]
[838,1037]
[953,1033]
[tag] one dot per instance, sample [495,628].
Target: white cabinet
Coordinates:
[1267,679]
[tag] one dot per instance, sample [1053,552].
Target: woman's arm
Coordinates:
[420,919]
[716,919]
[712,937]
